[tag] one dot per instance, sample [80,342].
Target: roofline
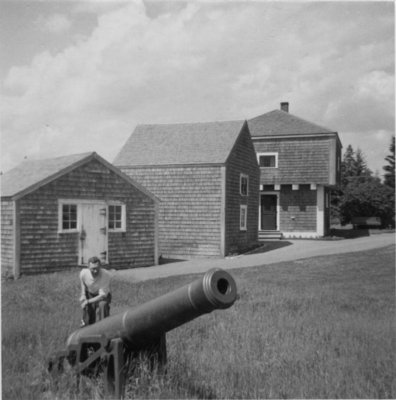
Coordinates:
[50,178]
[296,117]
[244,125]
[190,123]
[117,171]
[73,166]
[146,166]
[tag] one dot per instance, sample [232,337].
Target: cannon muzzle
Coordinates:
[147,322]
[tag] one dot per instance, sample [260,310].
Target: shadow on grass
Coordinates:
[268,246]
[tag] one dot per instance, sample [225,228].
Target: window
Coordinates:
[244,185]
[268,160]
[69,217]
[243,218]
[117,217]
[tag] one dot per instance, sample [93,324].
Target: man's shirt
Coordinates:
[100,284]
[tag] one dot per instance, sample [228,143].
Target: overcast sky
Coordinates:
[79,76]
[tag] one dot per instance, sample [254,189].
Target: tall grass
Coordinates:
[319,328]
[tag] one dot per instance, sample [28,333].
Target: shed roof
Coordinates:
[32,174]
[178,144]
[281,123]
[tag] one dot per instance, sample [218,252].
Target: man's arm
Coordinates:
[97,298]
[83,295]
[104,289]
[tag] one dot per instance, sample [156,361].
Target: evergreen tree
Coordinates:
[348,166]
[361,193]
[361,168]
[389,176]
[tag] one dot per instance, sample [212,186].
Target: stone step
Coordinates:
[267,235]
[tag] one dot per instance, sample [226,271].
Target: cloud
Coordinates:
[200,62]
[55,23]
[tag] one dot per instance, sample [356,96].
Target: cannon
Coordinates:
[111,342]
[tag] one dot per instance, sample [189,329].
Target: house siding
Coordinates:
[43,248]
[241,160]
[300,160]
[7,237]
[297,209]
[189,209]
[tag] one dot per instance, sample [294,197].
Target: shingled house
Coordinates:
[206,176]
[300,162]
[56,213]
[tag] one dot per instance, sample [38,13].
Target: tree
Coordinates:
[362,194]
[367,197]
[389,176]
[348,165]
[361,164]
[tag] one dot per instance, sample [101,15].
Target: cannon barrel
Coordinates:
[146,322]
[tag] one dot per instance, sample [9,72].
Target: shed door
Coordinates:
[268,212]
[93,232]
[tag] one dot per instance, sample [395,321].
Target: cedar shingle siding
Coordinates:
[7,237]
[241,160]
[194,169]
[300,160]
[43,248]
[297,209]
[189,210]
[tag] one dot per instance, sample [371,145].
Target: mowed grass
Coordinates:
[317,328]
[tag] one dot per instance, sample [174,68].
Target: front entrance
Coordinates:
[93,232]
[268,212]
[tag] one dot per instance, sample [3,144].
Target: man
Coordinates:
[95,292]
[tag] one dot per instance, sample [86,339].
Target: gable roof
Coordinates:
[32,174]
[281,123]
[178,144]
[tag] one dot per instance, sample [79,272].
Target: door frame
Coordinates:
[80,203]
[277,194]
[100,203]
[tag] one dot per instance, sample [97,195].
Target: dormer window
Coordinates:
[268,160]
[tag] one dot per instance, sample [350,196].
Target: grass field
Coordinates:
[319,328]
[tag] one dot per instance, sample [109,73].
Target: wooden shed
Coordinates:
[207,178]
[56,213]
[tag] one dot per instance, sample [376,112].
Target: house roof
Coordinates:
[32,174]
[177,144]
[281,123]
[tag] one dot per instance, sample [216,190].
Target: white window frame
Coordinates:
[62,203]
[123,216]
[243,222]
[268,154]
[244,176]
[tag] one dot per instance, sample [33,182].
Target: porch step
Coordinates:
[266,235]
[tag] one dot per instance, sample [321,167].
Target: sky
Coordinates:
[79,76]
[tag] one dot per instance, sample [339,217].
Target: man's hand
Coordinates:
[84,303]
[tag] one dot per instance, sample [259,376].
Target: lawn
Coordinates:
[318,328]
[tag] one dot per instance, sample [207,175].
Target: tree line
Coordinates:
[362,193]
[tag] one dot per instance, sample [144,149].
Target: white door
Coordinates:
[93,232]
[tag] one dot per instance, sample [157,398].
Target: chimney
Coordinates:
[284,106]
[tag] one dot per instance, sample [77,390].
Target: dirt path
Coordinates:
[298,249]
